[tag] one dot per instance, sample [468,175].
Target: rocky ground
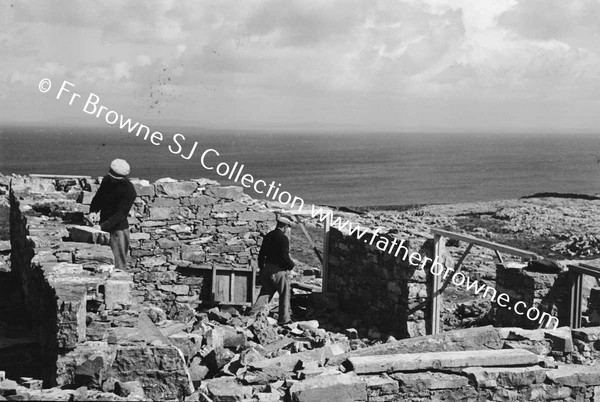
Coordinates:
[564,228]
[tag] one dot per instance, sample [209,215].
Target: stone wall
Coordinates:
[182,230]
[549,293]
[91,330]
[379,291]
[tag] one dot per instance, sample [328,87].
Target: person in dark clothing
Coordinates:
[275,263]
[114,200]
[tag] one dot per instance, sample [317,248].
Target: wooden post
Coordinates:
[253,284]
[310,240]
[326,233]
[232,286]
[576,293]
[214,283]
[436,297]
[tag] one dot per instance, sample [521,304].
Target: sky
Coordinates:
[430,65]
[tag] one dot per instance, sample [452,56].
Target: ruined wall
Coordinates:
[380,292]
[549,293]
[181,230]
[90,329]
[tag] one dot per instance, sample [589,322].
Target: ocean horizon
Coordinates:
[351,169]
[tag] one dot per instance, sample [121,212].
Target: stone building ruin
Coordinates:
[194,246]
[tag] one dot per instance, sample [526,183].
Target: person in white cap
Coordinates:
[275,263]
[110,208]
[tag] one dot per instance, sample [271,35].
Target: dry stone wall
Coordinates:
[90,329]
[181,230]
[381,292]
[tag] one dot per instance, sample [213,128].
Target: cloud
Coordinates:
[553,19]
[251,57]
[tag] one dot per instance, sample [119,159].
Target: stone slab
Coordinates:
[575,375]
[430,380]
[176,189]
[462,339]
[226,389]
[440,360]
[509,377]
[86,234]
[331,388]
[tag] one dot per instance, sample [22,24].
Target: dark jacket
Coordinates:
[275,249]
[114,199]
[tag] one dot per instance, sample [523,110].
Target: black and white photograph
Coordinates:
[296,201]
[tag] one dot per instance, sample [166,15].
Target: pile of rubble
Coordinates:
[301,362]
[579,246]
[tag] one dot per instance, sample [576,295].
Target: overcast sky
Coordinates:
[484,65]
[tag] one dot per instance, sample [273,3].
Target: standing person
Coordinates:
[275,263]
[114,200]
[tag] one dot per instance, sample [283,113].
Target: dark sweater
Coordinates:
[114,199]
[275,249]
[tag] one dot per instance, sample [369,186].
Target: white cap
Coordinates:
[119,168]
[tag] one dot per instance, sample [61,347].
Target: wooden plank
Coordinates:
[222,288]
[585,269]
[305,287]
[462,257]
[484,243]
[593,268]
[241,288]
[232,297]
[253,286]
[326,233]
[310,240]
[214,283]
[218,268]
[436,297]
[576,289]
[499,257]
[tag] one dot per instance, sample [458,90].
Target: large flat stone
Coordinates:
[561,339]
[163,213]
[440,360]
[266,216]
[176,189]
[143,188]
[94,256]
[462,339]
[381,385]
[331,388]
[520,334]
[430,380]
[86,234]
[161,370]
[117,289]
[509,377]
[233,193]
[575,375]
[226,389]
[282,367]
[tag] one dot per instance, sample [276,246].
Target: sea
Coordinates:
[327,168]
